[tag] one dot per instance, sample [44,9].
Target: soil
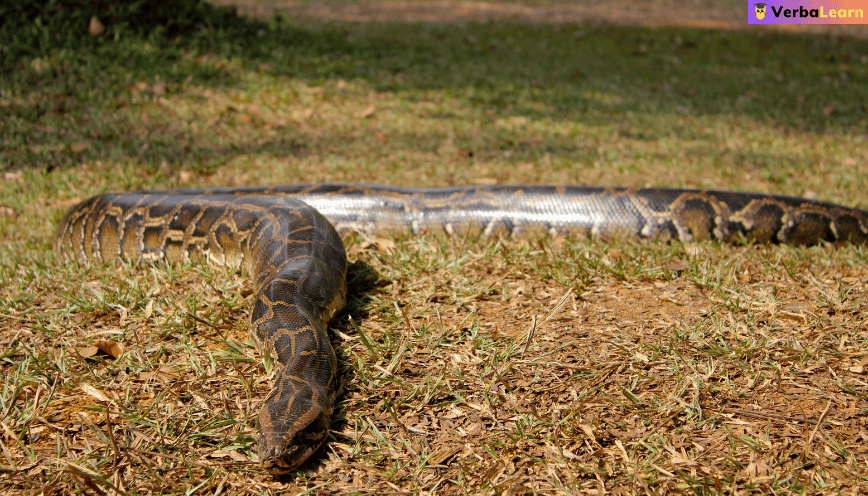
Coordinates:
[701,14]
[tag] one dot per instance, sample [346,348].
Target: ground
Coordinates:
[704,14]
[492,366]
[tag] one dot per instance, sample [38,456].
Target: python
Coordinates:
[289,238]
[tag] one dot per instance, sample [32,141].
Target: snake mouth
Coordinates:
[280,462]
[283,447]
[279,456]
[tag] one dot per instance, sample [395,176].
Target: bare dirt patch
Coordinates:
[658,13]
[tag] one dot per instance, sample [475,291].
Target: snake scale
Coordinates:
[289,237]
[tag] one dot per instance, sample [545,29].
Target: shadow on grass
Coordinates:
[588,74]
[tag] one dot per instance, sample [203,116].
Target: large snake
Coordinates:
[288,235]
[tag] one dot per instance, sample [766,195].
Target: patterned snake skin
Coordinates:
[297,258]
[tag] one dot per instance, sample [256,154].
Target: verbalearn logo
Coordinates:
[759,10]
[803,12]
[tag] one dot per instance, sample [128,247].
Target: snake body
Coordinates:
[289,237]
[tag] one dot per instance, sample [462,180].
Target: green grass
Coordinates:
[618,98]
[691,368]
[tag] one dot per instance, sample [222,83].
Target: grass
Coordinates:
[668,368]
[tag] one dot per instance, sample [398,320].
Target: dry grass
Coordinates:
[667,369]
[652,369]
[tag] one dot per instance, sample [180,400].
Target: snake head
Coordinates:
[292,426]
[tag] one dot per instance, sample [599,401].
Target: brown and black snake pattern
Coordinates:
[286,236]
